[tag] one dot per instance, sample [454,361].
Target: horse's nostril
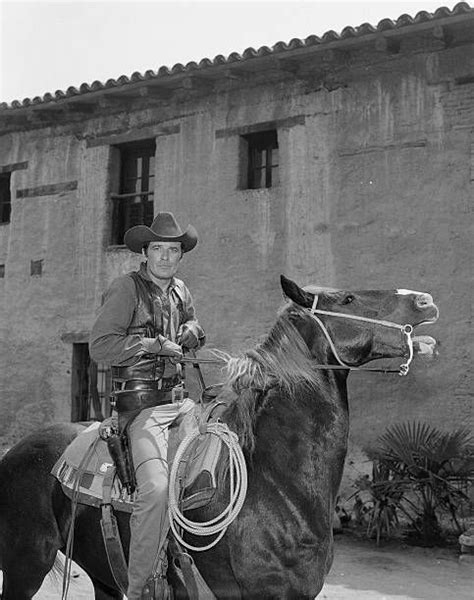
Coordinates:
[423,300]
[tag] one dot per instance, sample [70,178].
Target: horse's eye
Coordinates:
[348,299]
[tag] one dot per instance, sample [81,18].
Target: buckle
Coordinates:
[178,394]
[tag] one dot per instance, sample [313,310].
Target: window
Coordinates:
[36,268]
[5,198]
[262,159]
[2,271]
[133,205]
[90,386]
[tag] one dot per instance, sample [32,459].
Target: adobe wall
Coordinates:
[376,192]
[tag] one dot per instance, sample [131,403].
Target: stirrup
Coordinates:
[157,586]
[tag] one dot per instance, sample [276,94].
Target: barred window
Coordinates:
[133,205]
[262,159]
[5,198]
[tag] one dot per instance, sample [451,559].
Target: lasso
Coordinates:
[237,487]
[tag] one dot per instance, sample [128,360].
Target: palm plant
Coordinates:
[431,468]
[380,510]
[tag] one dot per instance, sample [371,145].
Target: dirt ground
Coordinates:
[361,571]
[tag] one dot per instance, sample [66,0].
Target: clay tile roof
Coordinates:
[332,37]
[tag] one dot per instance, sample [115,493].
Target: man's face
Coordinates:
[163,259]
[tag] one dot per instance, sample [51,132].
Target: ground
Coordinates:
[361,571]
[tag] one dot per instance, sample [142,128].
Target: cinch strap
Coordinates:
[111,535]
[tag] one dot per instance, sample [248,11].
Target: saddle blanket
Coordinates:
[86,462]
[82,468]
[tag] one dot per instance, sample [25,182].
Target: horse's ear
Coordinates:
[295,293]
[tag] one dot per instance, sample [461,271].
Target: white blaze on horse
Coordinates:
[287,401]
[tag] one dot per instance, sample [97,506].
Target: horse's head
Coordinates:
[356,327]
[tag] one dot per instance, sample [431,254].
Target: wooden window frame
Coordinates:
[133,205]
[5,198]
[262,159]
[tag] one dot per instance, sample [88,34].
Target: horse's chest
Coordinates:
[280,555]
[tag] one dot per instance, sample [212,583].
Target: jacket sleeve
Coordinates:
[190,319]
[109,342]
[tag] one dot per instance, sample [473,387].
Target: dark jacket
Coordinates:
[125,332]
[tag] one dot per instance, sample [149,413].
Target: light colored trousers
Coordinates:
[149,523]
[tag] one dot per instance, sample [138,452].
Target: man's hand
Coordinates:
[190,336]
[165,347]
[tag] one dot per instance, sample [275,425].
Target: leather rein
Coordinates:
[405,330]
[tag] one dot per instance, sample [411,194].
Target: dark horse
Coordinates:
[292,418]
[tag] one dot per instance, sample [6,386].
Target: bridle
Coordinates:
[406,330]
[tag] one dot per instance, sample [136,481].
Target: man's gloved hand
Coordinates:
[165,347]
[191,336]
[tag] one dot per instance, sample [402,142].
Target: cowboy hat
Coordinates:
[163,229]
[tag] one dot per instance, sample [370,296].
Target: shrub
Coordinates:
[379,511]
[423,473]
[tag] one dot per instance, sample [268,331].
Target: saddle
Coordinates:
[86,464]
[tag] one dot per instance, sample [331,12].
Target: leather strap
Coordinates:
[136,400]
[111,535]
[183,565]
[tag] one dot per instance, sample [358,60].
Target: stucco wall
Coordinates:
[375,192]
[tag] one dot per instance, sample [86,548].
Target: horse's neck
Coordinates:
[305,427]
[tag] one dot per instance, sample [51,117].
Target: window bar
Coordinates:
[131,195]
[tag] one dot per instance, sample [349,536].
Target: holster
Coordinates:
[122,457]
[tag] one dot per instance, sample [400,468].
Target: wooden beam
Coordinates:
[18,166]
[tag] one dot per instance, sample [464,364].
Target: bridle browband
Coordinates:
[406,330]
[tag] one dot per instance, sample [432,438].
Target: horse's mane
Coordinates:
[282,360]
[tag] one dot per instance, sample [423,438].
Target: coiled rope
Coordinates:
[237,487]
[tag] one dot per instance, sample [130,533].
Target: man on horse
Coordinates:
[146,320]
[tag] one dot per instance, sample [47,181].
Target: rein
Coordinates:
[220,361]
